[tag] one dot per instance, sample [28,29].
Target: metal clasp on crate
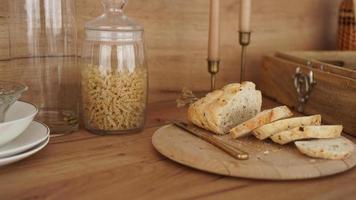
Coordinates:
[304,84]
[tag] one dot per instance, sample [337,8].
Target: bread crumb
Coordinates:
[266,152]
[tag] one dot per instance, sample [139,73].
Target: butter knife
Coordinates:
[226,147]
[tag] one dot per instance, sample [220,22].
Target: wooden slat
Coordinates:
[323,59]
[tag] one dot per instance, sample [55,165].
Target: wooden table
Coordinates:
[86,166]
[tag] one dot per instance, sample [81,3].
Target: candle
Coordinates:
[214,30]
[245,16]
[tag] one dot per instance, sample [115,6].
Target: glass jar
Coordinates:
[43,55]
[114,73]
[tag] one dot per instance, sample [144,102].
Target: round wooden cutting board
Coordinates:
[267,161]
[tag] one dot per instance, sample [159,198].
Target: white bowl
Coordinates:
[17,119]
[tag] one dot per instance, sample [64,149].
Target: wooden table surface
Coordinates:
[86,166]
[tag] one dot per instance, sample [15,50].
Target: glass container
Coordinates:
[114,73]
[9,93]
[43,55]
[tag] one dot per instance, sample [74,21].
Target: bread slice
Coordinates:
[337,148]
[268,130]
[307,132]
[222,109]
[238,103]
[261,119]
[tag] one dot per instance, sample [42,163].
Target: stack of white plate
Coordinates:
[20,136]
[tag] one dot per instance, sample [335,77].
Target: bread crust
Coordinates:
[206,112]
[307,132]
[214,111]
[338,148]
[196,110]
[270,129]
[259,120]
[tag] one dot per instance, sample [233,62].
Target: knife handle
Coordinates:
[230,149]
[226,147]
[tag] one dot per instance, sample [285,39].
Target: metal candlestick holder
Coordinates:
[244,39]
[213,68]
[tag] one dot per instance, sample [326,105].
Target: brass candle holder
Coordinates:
[213,68]
[244,39]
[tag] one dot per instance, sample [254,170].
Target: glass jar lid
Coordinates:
[113,24]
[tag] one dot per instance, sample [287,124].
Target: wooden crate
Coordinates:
[334,95]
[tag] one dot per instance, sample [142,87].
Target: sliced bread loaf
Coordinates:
[238,103]
[223,109]
[268,130]
[337,148]
[307,132]
[261,119]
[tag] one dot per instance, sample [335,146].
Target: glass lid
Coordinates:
[113,18]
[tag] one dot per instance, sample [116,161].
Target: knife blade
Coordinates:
[226,147]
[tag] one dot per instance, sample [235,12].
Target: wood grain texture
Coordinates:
[324,60]
[86,166]
[176,35]
[347,57]
[268,161]
[333,97]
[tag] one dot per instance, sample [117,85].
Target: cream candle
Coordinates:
[245,16]
[214,30]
